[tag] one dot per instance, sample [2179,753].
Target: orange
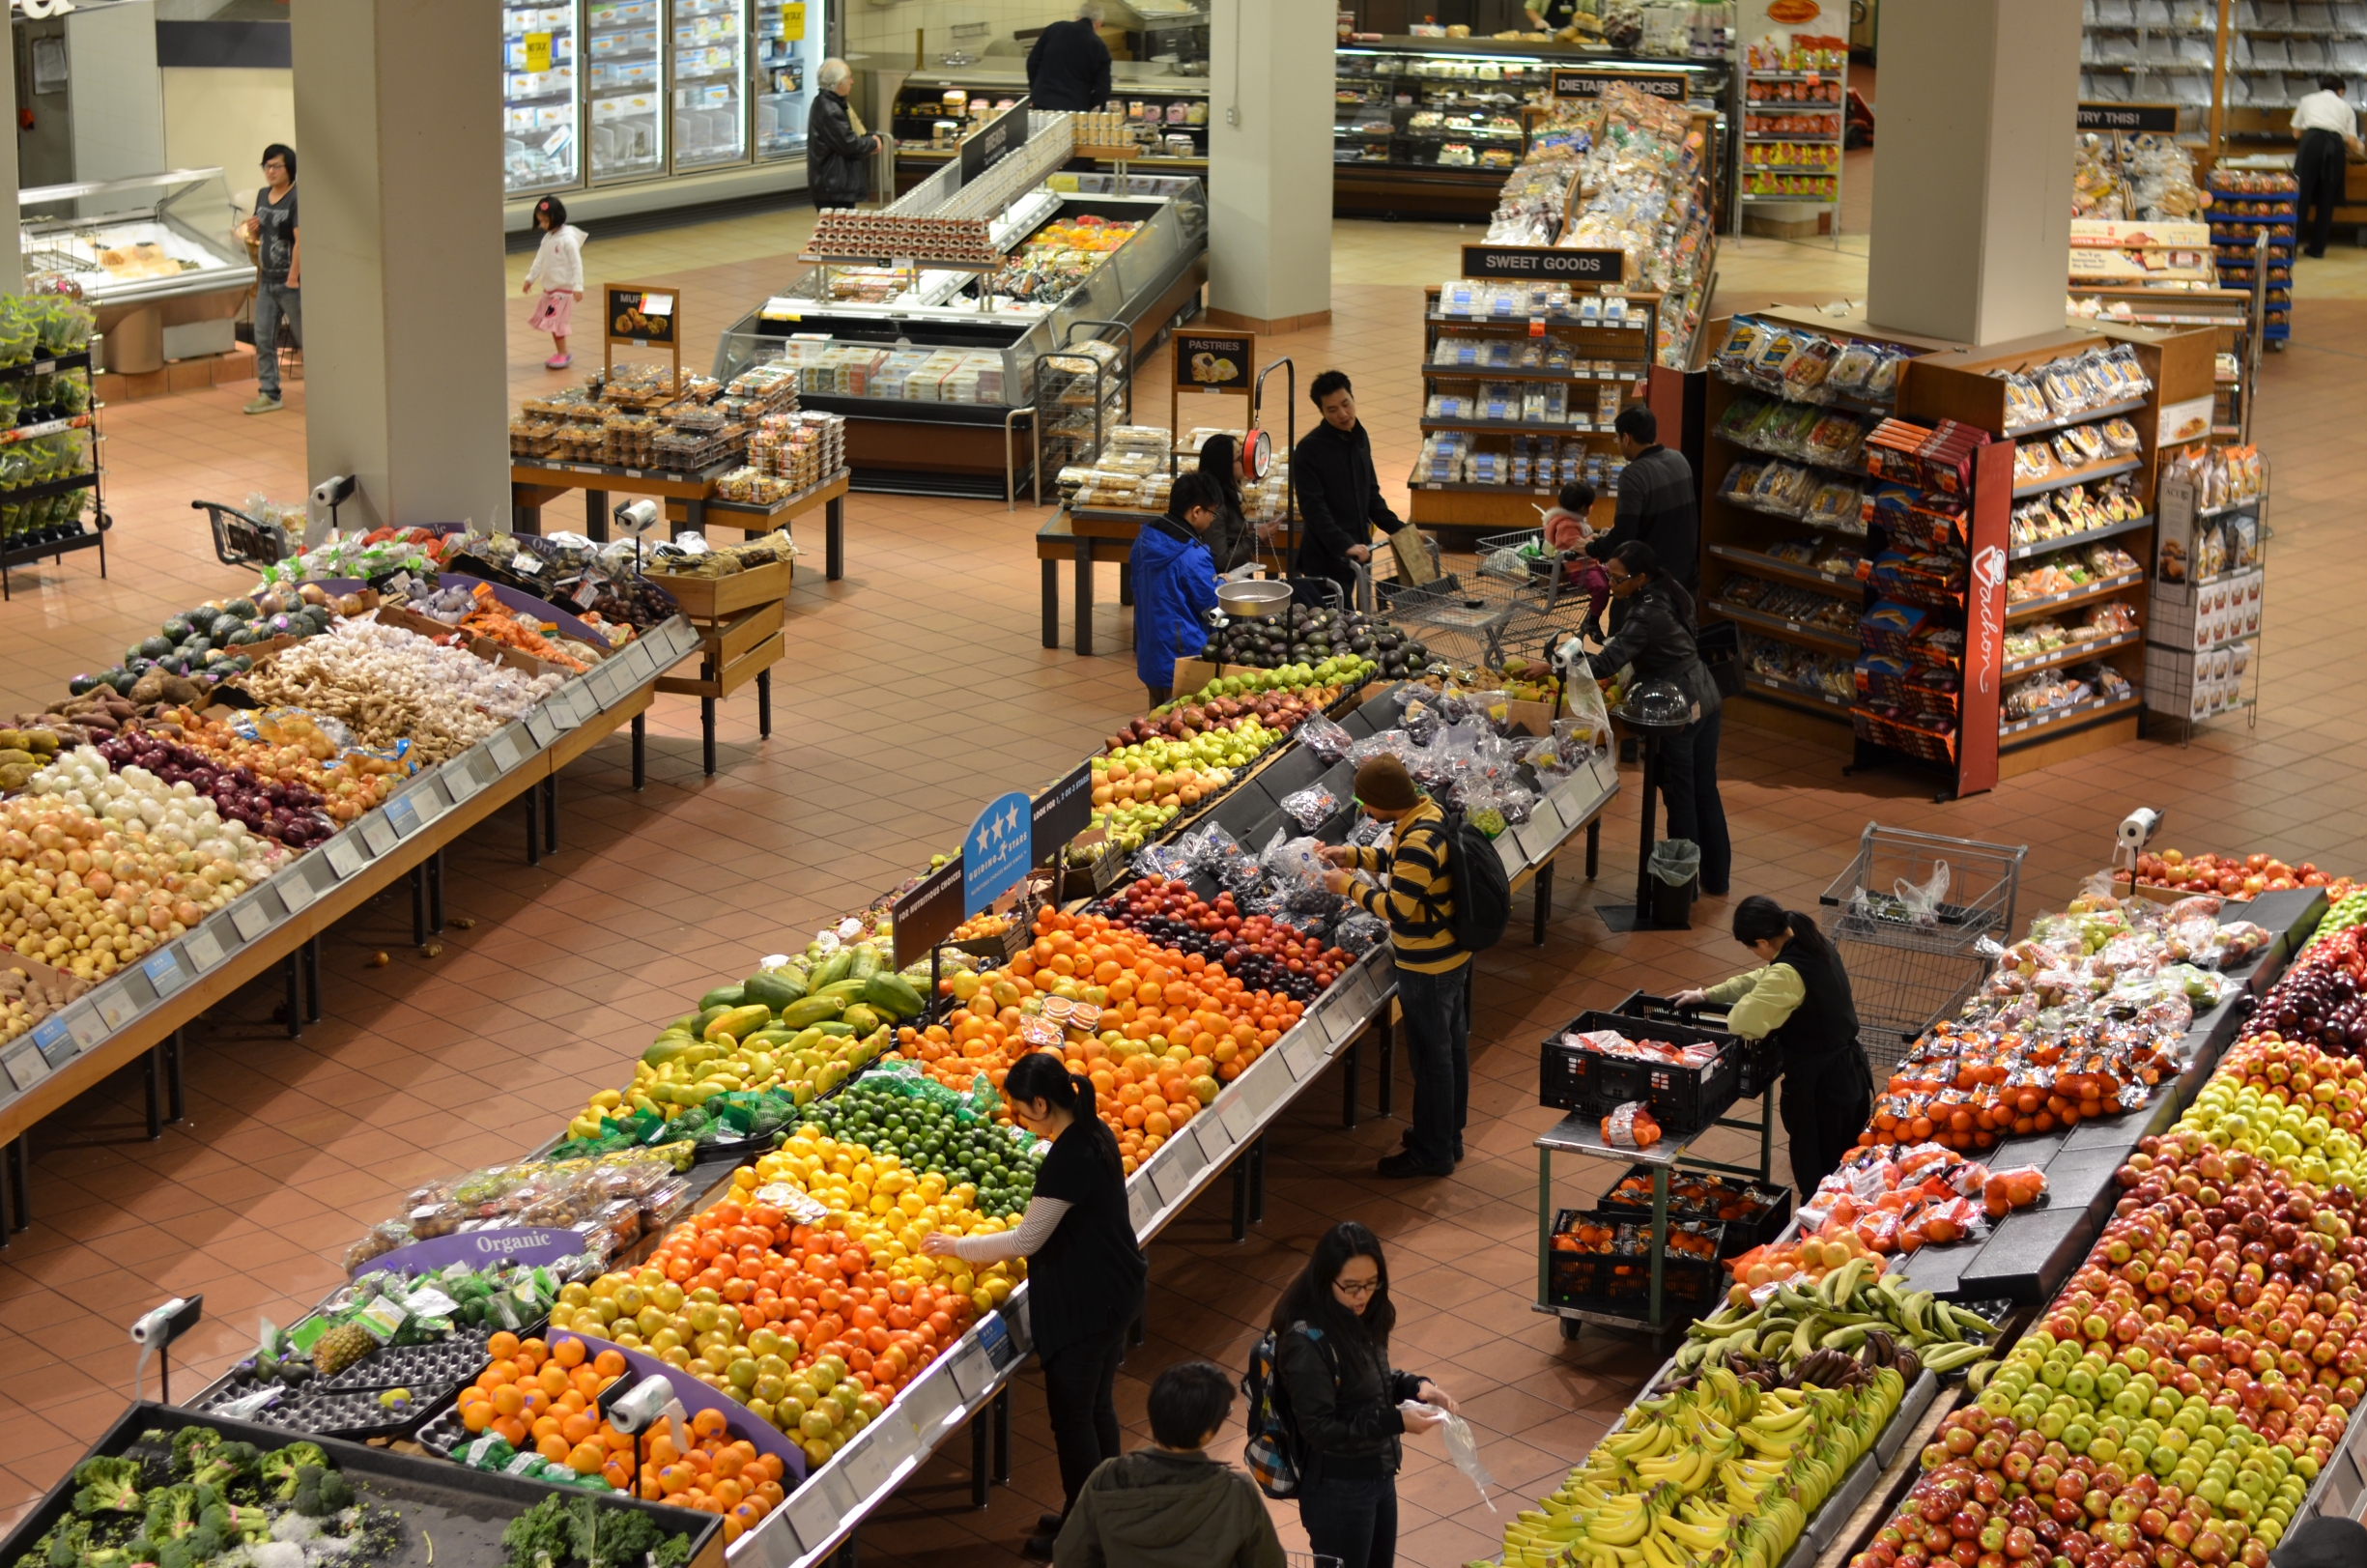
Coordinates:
[554,1380]
[578,1429]
[568,1353]
[501,1346]
[544,1426]
[551,1446]
[536,1400]
[510,1431]
[476,1416]
[587,1459]
[708,1423]
[534,1350]
[610,1363]
[508,1400]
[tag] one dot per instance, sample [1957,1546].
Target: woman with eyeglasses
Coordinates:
[1331,1349]
[1799,997]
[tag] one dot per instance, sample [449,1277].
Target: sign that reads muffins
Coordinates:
[1210,360]
[640,317]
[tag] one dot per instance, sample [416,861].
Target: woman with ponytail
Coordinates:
[1085,1274]
[1799,998]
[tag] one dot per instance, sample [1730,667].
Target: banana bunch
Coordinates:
[1722,1471]
[1838,1313]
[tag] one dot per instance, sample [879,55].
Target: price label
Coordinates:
[1299,1063]
[1173,1175]
[403,814]
[934,1406]
[1238,1119]
[1537,841]
[793,19]
[83,1022]
[459,776]
[250,919]
[1548,812]
[343,855]
[584,594]
[1216,1138]
[540,726]
[537,52]
[55,1043]
[872,1469]
[378,834]
[605,686]
[812,1518]
[1141,1206]
[502,748]
[973,1374]
[203,948]
[115,1006]
[429,799]
[294,887]
[26,1067]
[526,563]
[165,974]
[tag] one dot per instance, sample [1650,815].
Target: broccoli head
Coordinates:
[192,1446]
[282,1466]
[240,1523]
[227,1463]
[191,1549]
[107,1486]
[321,1493]
[62,1547]
[172,1512]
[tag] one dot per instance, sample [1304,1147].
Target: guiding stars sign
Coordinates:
[997,852]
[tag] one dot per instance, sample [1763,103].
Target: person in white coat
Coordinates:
[559,271]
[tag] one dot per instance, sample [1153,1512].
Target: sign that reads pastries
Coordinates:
[1214,361]
[643,317]
[1568,83]
[1545,263]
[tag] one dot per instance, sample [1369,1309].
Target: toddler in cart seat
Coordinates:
[559,271]
[1566,532]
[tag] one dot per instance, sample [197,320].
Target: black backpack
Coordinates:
[1483,892]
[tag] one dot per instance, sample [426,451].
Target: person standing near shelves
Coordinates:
[1085,1273]
[1232,540]
[1551,15]
[1799,998]
[1069,67]
[2329,129]
[1656,637]
[839,151]
[1655,503]
[1339,493]
[278,272]
[1175,583]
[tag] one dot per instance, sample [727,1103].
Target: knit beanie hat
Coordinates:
[1383,783]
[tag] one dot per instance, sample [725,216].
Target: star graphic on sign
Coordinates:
[1011,818]
[994,826]
[981,840]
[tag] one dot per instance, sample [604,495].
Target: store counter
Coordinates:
[154,255]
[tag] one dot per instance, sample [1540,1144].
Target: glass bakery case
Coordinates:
[928,365]
[539,147]
[1166,117]
[149,237]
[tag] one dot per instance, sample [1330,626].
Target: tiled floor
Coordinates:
[917,688]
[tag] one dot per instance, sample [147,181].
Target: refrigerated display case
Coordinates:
[157,247]
[625,83]
[1168,117]
[783,73]
[540,150]
[707,70]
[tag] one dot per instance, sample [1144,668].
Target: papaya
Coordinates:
[808,1010]
[776,988]
[846,990]
[836,1030]
[722,996]
[769,1037]
[831,969]
[893,996]
[866,962]
[806,1039]
[665,1048]
[704,1016]
[740,1022]
[860,1019]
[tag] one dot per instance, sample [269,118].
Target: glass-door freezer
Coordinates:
[625,84]
[539,101]
[791,40]
[707,82]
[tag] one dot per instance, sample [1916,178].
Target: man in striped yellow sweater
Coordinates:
[1417,899]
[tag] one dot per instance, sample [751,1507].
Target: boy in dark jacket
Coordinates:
[1339,495]
[1069,67]
[1172,1506]
[1175,585]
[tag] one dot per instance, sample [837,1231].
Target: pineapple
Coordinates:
[340,1348]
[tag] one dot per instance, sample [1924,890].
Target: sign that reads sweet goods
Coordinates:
[1549,263]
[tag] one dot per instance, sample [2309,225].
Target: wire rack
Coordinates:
[1906,974]
[1479,615]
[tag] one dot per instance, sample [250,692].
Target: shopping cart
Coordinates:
[241,540]
[1908,971]
[1473,617]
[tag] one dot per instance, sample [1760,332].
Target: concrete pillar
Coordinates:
[12,256]
[1270,163]
[1973,171]
[398,146]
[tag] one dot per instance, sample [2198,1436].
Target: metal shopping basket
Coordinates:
[241,540]
[1473,617]
[1908,970]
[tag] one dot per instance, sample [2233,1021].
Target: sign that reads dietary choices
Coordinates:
[998,851]
[1569,83]
[1547,262]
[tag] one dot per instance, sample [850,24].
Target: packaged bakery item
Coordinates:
[1853,366]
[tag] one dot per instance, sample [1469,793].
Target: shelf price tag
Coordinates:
[793,19]
[378,834]
[503,749]
[203,948]
[1239,1120]
[812,1518]
[26,1067]
[83,1022]
[540,725]
[343,855]
[250,918]
[115,1005]
[54,1043]
[294,887]
[459,776]
[165,973]
[403,814]
[1141,1206]
[537,52]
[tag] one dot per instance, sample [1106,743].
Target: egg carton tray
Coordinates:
[356,1415]
[443,1434]
[447,1363]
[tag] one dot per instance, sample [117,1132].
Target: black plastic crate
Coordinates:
[1683,1099]
[1761,1062]
[1741,1234]
[1621,1281]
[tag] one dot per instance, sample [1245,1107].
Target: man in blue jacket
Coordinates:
[1175,585]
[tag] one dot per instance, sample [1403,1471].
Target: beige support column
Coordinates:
[1972,209]
[399,170]
[1270,163]
[13,261]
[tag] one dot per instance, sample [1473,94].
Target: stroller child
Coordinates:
[1566,532]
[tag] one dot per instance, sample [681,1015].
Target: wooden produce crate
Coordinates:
[712,598]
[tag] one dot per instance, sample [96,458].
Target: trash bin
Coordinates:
[1676,880]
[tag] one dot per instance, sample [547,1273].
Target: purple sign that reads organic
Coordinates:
[522,1244]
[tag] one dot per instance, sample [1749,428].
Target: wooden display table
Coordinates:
[689,497]
[1082,536]
[739,622]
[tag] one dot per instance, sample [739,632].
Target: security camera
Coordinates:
[160,1328]
[2138,826]
[337,488]
[639,1406]
[640,517]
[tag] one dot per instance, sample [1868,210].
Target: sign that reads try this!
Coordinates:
[1546,263]
[1576,84]
[2128,117]
[997,851]
[1002,136]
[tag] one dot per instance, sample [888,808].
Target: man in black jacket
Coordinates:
[1339,495]
[1069,67]
[837,153]
[1656,502]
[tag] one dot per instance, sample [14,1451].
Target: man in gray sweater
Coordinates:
[1656,502]
[1171,1506]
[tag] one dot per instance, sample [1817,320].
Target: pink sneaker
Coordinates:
[558,361]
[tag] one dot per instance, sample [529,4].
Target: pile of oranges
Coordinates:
[1160,1030]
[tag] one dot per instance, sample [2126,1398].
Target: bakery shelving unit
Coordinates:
[1535,450]
[2255,228]
[37,521]
[2236,312]
[2202,654]
[1811,154]
[1167,117]
[2150,51]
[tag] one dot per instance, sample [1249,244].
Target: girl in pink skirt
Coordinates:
[559,270]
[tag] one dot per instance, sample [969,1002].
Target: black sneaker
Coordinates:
[1049,1524]
[1038,1547]
[1405,1165]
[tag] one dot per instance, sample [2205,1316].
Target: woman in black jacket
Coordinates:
[1331,1349]
[1232,540]
[838,155]
[1657,638]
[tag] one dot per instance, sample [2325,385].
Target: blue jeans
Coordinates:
[1353,1520]
[1438,1046]
[1689,784]
[274,303]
